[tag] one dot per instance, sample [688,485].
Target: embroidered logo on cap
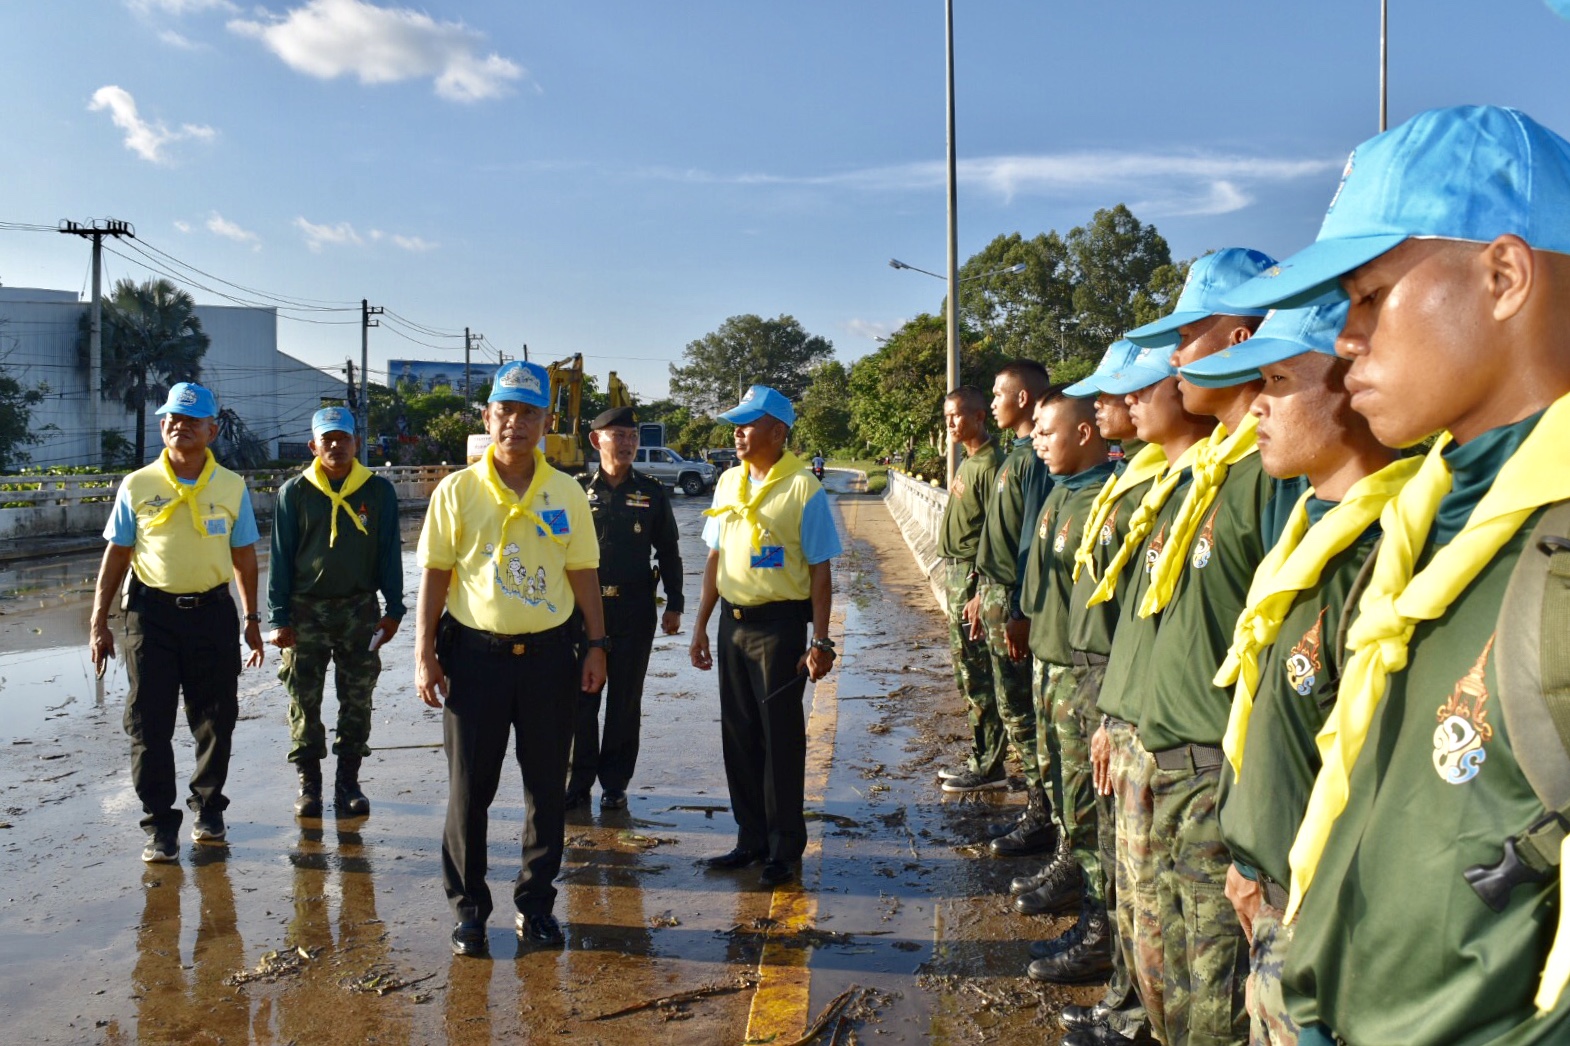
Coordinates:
[187,397]
[520,378]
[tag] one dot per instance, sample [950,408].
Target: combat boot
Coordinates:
[1031,883]
[1089,959]
[310,802]
[1060,893]
[348,800]
[1033,834]
[1063,941]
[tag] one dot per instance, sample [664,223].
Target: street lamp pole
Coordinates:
[1384,63]
[953,309]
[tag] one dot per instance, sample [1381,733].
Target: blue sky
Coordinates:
[616,178]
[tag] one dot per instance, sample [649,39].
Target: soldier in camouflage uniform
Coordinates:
[965,417]
[335,542]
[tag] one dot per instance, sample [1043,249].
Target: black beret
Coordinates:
[616,416]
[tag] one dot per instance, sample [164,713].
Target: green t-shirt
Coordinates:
[1126,687]
[1090,628]
[1298,674]
[966,507]
[1002,531]
[1392,945]
[1185,706]
[1049,571]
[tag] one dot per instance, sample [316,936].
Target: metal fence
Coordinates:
[916,504]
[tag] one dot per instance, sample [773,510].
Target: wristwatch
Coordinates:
[823,644]
[253,617]
[602,643]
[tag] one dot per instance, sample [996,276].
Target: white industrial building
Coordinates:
[272,392]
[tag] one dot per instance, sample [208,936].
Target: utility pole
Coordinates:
[351,399]
[1384,65]
[366,323]
[952,376]
[96,230]
[468,395]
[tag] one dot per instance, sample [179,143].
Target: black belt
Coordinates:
[1189,757]
[783,610]
[187,601]
[1084,660]
[524,645]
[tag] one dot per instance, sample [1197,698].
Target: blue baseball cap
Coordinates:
[1139,367]
[333,419]
[761,400]
[521,382]
[1210,280]
[190,399]
[1118,356]
[1284,334]
[1463,173]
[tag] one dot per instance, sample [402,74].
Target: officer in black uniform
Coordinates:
[632,517]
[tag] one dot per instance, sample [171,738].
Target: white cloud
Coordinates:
[332,38]
[145,139]
[218,225]
[183,226]
[174,39]
[414,244]
[872,330]
[179,8]
[318,236]
[1176,183]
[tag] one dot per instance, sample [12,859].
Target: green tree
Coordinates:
[1112,262]
[1022,314]
[16,421]
[152,339]
[823,415]
[746,350]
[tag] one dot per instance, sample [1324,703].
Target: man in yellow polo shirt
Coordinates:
[182,526]
[509,550]
[771,537]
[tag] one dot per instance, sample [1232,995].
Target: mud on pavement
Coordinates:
[336,930]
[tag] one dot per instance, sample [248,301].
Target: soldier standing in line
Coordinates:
[965,418]
[335,542]
[183,526]
[632,518]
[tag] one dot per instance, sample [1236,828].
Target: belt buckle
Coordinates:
[185,602]
[610,591]
[735,612]
[519,649]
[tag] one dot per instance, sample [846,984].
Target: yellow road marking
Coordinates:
[780,1003]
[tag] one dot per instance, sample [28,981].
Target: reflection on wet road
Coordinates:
[336,931]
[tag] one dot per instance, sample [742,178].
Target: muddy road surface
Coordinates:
[336,931]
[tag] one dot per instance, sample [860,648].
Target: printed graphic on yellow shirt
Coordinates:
[1153,553]
[1303,665]
[1061,541]
[1205,544]
[518,581]
[1463,726]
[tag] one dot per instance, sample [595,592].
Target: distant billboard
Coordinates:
[432,374]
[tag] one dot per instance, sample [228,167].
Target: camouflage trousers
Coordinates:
[1063,732]
[1011,681]
[1137,916]
[972,671]
[1269,1024]
[336,630]
[1205,952]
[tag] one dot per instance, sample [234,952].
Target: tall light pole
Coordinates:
[1384,64]
[953,309]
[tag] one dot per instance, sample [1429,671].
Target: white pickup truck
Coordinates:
[673,470]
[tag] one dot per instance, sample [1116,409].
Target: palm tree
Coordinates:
[152,339]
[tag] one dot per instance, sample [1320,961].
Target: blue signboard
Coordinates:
[429,374]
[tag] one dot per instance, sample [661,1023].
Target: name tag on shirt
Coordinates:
[216,526]
[556,519]
[637,501]
[771,558]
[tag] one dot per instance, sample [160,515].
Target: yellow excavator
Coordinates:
[564,440]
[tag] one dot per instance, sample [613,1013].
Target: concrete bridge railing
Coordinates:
[917,506]
[64,506]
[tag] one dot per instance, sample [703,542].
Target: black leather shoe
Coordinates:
[1031,883]
[732,859]
[1062,893]
[575,799]
[776,873]
[1028,837]
[998,829]
[613,800]
[1061,943]
[1073,1018]
[1090,959]
[309,804]
[1102,1035]
[539,929]
[469,939]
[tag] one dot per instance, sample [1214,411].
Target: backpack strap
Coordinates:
[1532,662]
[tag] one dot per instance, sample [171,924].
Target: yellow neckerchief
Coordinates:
[1398,597]
[316,476]
[1217,454]
[517,507]
[184,493]
[746,505]
[1294,565]
[1141,521]
[1147,464]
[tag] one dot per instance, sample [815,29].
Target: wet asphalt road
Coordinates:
[336,931]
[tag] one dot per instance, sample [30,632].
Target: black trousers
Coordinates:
[534,695]
[764,741]
[169,651]
[630,624]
